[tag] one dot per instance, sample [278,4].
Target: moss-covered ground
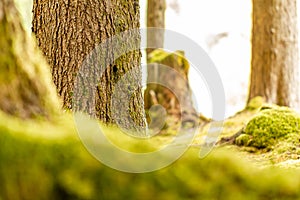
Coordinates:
[270,134]
[46,160]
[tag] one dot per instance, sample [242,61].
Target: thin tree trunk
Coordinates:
[26,88]
[68,31]
[274,69]
[156,19]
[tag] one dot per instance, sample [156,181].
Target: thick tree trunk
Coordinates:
[156,19]
[68,31]
[274,70]
[25,89]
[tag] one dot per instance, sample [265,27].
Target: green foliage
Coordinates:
[270,126]
[36,163]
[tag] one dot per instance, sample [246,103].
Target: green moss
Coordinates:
[24,71]
[269,126]
[48,167]
[255,103]
[159,56]
[244,139]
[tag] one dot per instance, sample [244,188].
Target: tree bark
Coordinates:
[68,32]
[274,68]
[156,19]
[170,89]
[25,89]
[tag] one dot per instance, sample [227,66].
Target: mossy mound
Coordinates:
[271,125]
[47,161]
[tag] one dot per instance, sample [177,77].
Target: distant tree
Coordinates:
[274,68]
[175,97]
[172,90]
[26,90]
[67,32]
[156,19]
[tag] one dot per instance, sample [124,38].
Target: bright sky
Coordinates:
[201,21]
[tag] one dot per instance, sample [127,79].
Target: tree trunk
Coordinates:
[155,18]
[69,31]
[274,69]
[25,89]
[170,89]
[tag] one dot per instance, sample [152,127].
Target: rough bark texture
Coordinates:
[68,33]
[25,89]
[155,18]
[274,70]
[170,87]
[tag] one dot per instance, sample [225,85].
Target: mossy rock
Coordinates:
[269,126]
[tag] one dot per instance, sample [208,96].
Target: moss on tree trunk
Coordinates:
[67,33]
[26,88]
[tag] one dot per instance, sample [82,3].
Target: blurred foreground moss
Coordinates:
[40,160]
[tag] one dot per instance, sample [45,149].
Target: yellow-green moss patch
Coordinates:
[270,126]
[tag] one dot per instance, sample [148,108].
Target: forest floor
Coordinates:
[50,159]
[282,154]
